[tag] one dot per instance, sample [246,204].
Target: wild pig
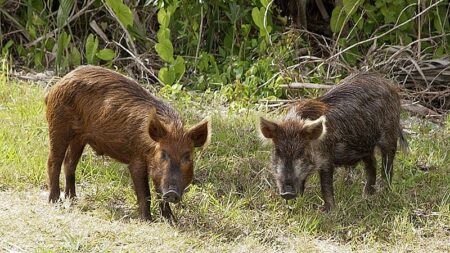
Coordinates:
[119,118]
[341,128]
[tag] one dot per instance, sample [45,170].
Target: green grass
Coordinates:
[231,206]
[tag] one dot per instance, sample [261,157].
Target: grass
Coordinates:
[231,206]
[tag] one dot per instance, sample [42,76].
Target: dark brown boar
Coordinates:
[341,128]
[119,118]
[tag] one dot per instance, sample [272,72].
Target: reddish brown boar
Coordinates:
[341,128]
[119,118]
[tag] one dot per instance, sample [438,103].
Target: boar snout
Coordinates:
[288,192]
[172,195]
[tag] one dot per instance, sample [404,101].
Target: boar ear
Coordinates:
[156,129]
[200,134]
[315,129]
[268,128]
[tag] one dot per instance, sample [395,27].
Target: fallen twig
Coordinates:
[38,77]
[422,111]
[306,85]
[98,30]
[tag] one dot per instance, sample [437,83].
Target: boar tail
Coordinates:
[404,146]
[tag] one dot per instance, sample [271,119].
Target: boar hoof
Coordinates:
[326,208]
[53,197]
[147,218]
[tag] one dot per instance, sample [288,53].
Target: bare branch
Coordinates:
[306,85]
[52,33]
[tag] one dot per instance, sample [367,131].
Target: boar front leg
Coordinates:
[326,184]
[140,180]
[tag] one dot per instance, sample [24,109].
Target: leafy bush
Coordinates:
[240,47]
[392,22]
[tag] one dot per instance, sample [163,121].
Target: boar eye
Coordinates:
[186,157]
[164,155]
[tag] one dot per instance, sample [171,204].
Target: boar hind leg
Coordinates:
[71,159]
[140,180]
[58,147]
[326,183]
[371,174]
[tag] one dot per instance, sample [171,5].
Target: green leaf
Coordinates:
[37,5]
[256,15]
[179,67]
[62,44]
[7,46]
[38,56]
[21,50]
[258,18]
[164,49]
[65,8]
[172,8]
[350,6]
[390,15]
[166,76]
[31,30]
[91,48]
[163,18]
[440,20]
[106,54]
[66,40]
[163,34]
[337,19]
[440,51]
[122,12]
[75,57]
[38,21]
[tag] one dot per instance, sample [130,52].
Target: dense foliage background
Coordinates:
[246,49]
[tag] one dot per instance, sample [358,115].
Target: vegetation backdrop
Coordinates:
[247,49]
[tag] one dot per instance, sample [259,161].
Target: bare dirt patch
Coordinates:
[28,223]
